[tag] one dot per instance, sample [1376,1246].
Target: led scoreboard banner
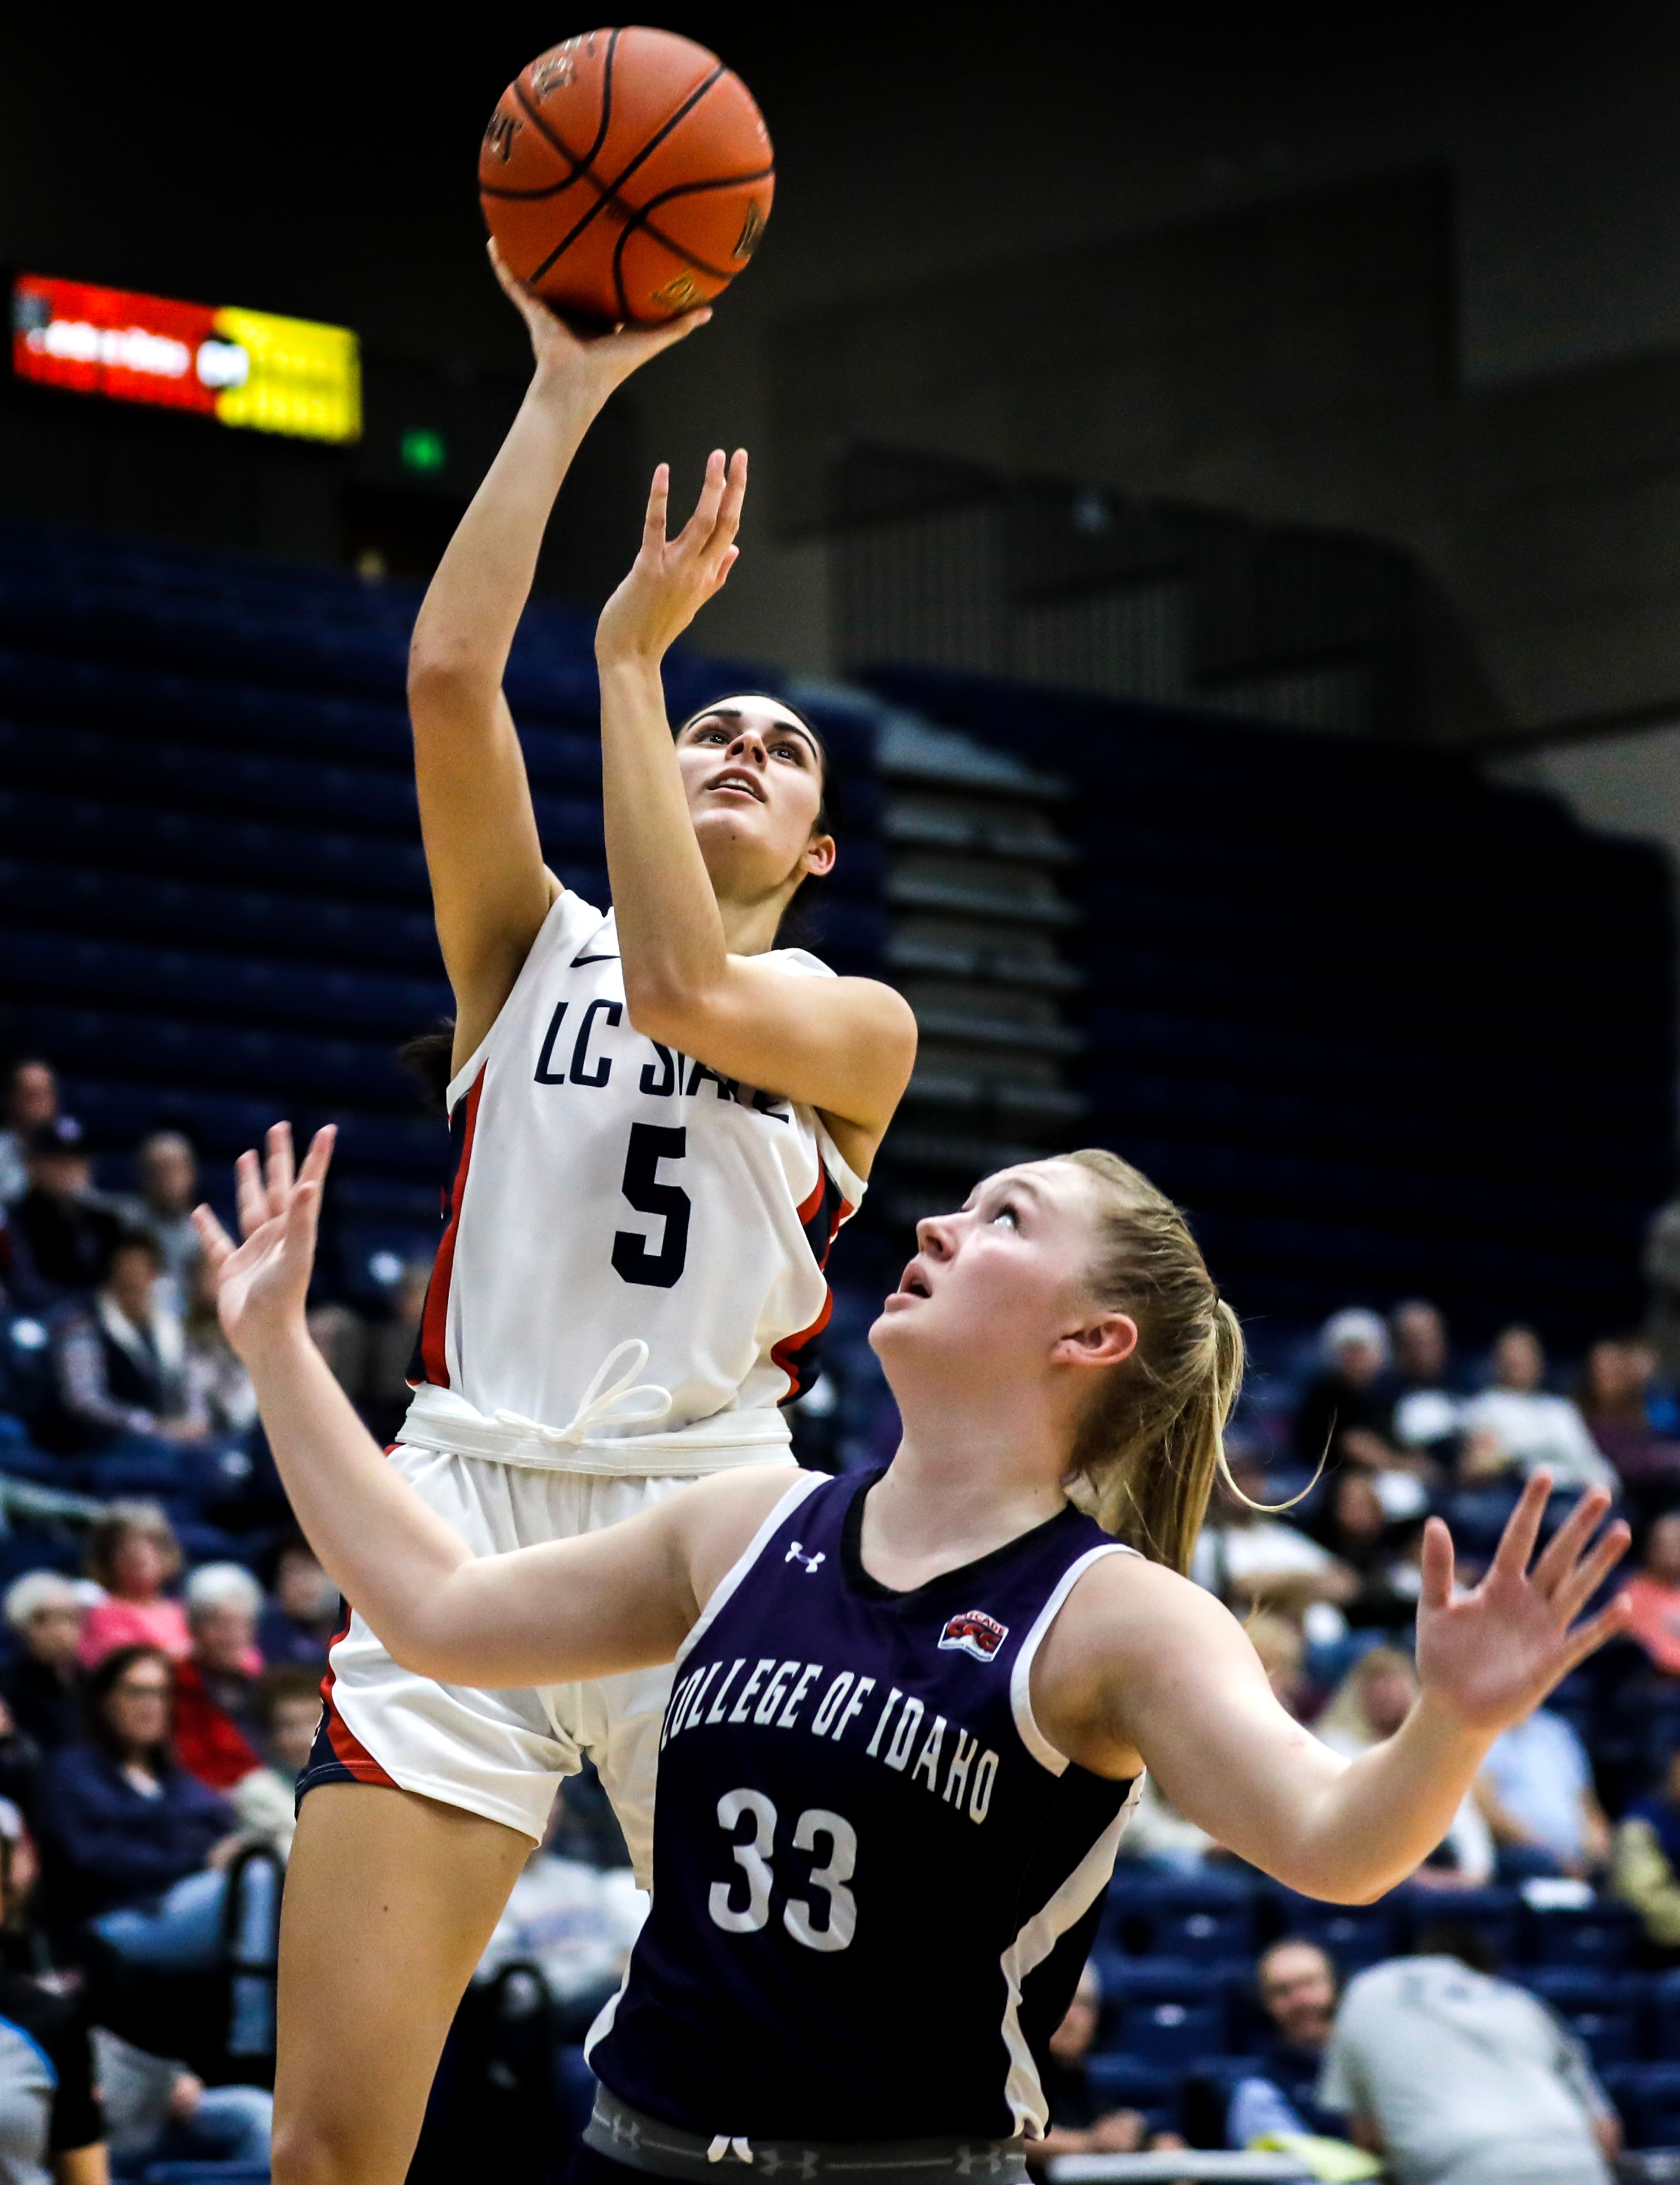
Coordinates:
[240,367]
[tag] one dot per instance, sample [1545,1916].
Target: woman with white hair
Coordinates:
[215,1689]
[1344,1413]
[46,1610]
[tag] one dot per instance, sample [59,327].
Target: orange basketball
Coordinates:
[626,175]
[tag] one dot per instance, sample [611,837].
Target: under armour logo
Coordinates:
[796,1554]
[805,2164]
[982,2162]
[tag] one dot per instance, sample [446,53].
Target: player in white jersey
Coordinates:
[661,1120]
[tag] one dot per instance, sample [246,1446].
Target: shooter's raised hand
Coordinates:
[597,362]
[261,1284]
[672,579]
[1491,1655]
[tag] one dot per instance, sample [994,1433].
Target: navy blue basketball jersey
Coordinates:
[875,1881]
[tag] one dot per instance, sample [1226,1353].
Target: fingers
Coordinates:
[1438,1564]
[1516,1545]
[303,1216]
[219,1246]
[1569,1539]
[1587,1638]
[659,502]
[734,494]
[281,1167]
[253,1200]
[319,1159]
[1572,1595]
[697,534]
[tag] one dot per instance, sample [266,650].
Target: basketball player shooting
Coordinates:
[913,1708]
[661,1120]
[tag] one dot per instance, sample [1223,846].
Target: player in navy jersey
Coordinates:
[660,1118]
[912,1708]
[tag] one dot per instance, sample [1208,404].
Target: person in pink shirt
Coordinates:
[1654,1591]
[133,1554]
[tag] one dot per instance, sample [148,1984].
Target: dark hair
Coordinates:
[134,1240]
[1455,1938]
[429,1059]
[102,1681]
[287,1680]
[105,1536]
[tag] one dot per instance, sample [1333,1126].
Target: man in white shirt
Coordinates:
[1456,2078]
[1518,1423]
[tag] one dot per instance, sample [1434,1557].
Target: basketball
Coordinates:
[626,174]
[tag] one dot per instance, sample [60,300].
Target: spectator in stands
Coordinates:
[39,1686]
[1450,2074]
[384,1395]
[20,1768]
[1080,2124]
[215,1687]
[1613,1397]
[1645,1866]
[1425,1402]
[1246,1554]
[298,1624]
[1344,1412]
[1283,1654]
[1374,1545]
[133,1553]
[1367,1708]
[1297,1990]
[218,1387]
[1515,1424]
[32,1103]
[166,1169]
[123,1820]
[120,1362]
[50,2119]
[1653,1595]
[62,1230]
[1536,1793]
[288,1712]
[158,2111]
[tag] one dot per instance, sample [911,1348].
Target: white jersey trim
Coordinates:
[805,1482]
[1020,1679]
[1024,2090]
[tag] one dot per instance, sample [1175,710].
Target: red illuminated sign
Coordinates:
[250,368]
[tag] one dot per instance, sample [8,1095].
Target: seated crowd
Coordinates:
[166,1631]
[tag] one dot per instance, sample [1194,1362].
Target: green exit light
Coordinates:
[423,450]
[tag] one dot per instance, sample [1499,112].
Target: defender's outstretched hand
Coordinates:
[261,1284]
[672,579]
[601,361]
[1489,1657]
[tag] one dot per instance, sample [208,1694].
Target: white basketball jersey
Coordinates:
[606,1187]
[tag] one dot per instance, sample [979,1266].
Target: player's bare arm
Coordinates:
[490,889]
[1143,1667]
[691,983]
[621,1598]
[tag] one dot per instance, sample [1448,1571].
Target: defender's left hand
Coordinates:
[1490,1657]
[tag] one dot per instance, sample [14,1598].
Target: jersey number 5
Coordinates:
[752,1856]
[649,1144]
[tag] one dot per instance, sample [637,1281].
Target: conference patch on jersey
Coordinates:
[975,1633]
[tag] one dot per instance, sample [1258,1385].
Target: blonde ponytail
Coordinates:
[1149,1449]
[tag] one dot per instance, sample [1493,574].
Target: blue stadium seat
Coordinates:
[1130,2082]
[1185,1984]
[205,2173]
[1601,2009]
[1597,1936]
[1355,1935]
[1172,2034]
[1647,2097]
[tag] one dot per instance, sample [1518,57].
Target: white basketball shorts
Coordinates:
[502,1754]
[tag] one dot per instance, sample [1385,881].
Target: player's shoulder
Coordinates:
[721,1517]
[1129,1608]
